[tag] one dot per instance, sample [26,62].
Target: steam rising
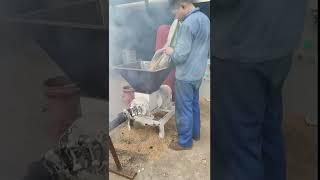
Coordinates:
[132,26]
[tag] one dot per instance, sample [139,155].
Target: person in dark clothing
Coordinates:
[253,44]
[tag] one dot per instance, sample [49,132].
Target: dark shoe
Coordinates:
[196,138]
[175,146]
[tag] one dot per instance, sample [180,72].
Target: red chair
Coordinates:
[161,39]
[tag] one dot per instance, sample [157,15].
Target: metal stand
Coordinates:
[118,169]
[146,120]
[164,120]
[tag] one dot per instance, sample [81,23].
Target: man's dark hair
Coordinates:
[176,3]
[185,1]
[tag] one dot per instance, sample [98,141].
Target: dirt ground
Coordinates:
[156,162]
[142,150]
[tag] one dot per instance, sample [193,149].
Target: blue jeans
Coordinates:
[247,132]
[187,111]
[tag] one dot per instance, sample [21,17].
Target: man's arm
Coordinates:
[183,46]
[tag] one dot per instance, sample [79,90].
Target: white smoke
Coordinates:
[132,26]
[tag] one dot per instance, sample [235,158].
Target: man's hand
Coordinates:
[169,51]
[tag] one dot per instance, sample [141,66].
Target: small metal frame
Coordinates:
[149,120]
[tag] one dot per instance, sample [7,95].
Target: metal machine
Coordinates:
[151,98]
[71,159]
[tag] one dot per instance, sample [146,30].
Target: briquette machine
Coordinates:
[152,104]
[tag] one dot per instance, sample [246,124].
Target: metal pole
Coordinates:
[114,154]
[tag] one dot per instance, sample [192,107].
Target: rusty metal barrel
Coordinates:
[63,104]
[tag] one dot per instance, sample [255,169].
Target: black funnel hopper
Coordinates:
[140,78]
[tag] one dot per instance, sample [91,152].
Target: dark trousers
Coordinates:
[247,118]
